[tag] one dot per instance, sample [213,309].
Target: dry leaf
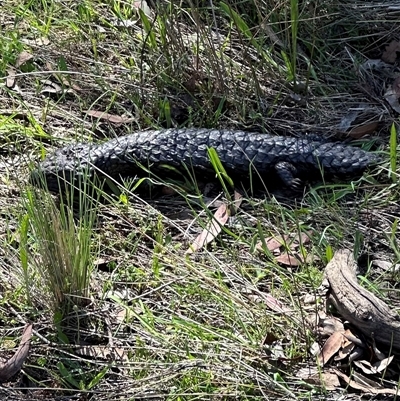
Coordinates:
[23,58]
[378,354]
[272,244]
[366,367]
[377,367]
[10,80]
[330,348]
[364,384]
[310,299]
[275,305]
[365,129]
[305,238]
[383,364]
[292,241]
[386,265]
[390,53]
[142,4]
[66,82]
[392,95]
[382,264]
[121,315]
[327,379]
[112,118]
[345,352]
[237,201]
[14,364]
[305,373]
[330,381]
[327,326]
[349,337]
[287,260]
[220,218]
[363,380]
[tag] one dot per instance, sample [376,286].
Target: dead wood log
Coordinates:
[14,364]
[368,313]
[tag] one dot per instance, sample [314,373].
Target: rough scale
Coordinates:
[239,151]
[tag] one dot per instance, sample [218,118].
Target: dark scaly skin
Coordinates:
[238,151]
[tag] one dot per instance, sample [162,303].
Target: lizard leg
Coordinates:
[286,172]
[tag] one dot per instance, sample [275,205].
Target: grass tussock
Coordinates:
[64,251]
[120,309]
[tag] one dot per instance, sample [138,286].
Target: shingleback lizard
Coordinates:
[239,151]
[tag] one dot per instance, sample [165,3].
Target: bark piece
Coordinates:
[368,313]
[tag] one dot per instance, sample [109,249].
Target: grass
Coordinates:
[120,310]
[64,245]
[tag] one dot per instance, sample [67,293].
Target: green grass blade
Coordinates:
[96,380]
[294,16]
[23,230]
[219,168]
[67,375]
[393,153]
[148,27]
[237,19]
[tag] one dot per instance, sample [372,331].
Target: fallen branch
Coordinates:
[14,364]
[369,314]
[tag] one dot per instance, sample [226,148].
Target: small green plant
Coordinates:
[393,153]
[73,375]
[10,48]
